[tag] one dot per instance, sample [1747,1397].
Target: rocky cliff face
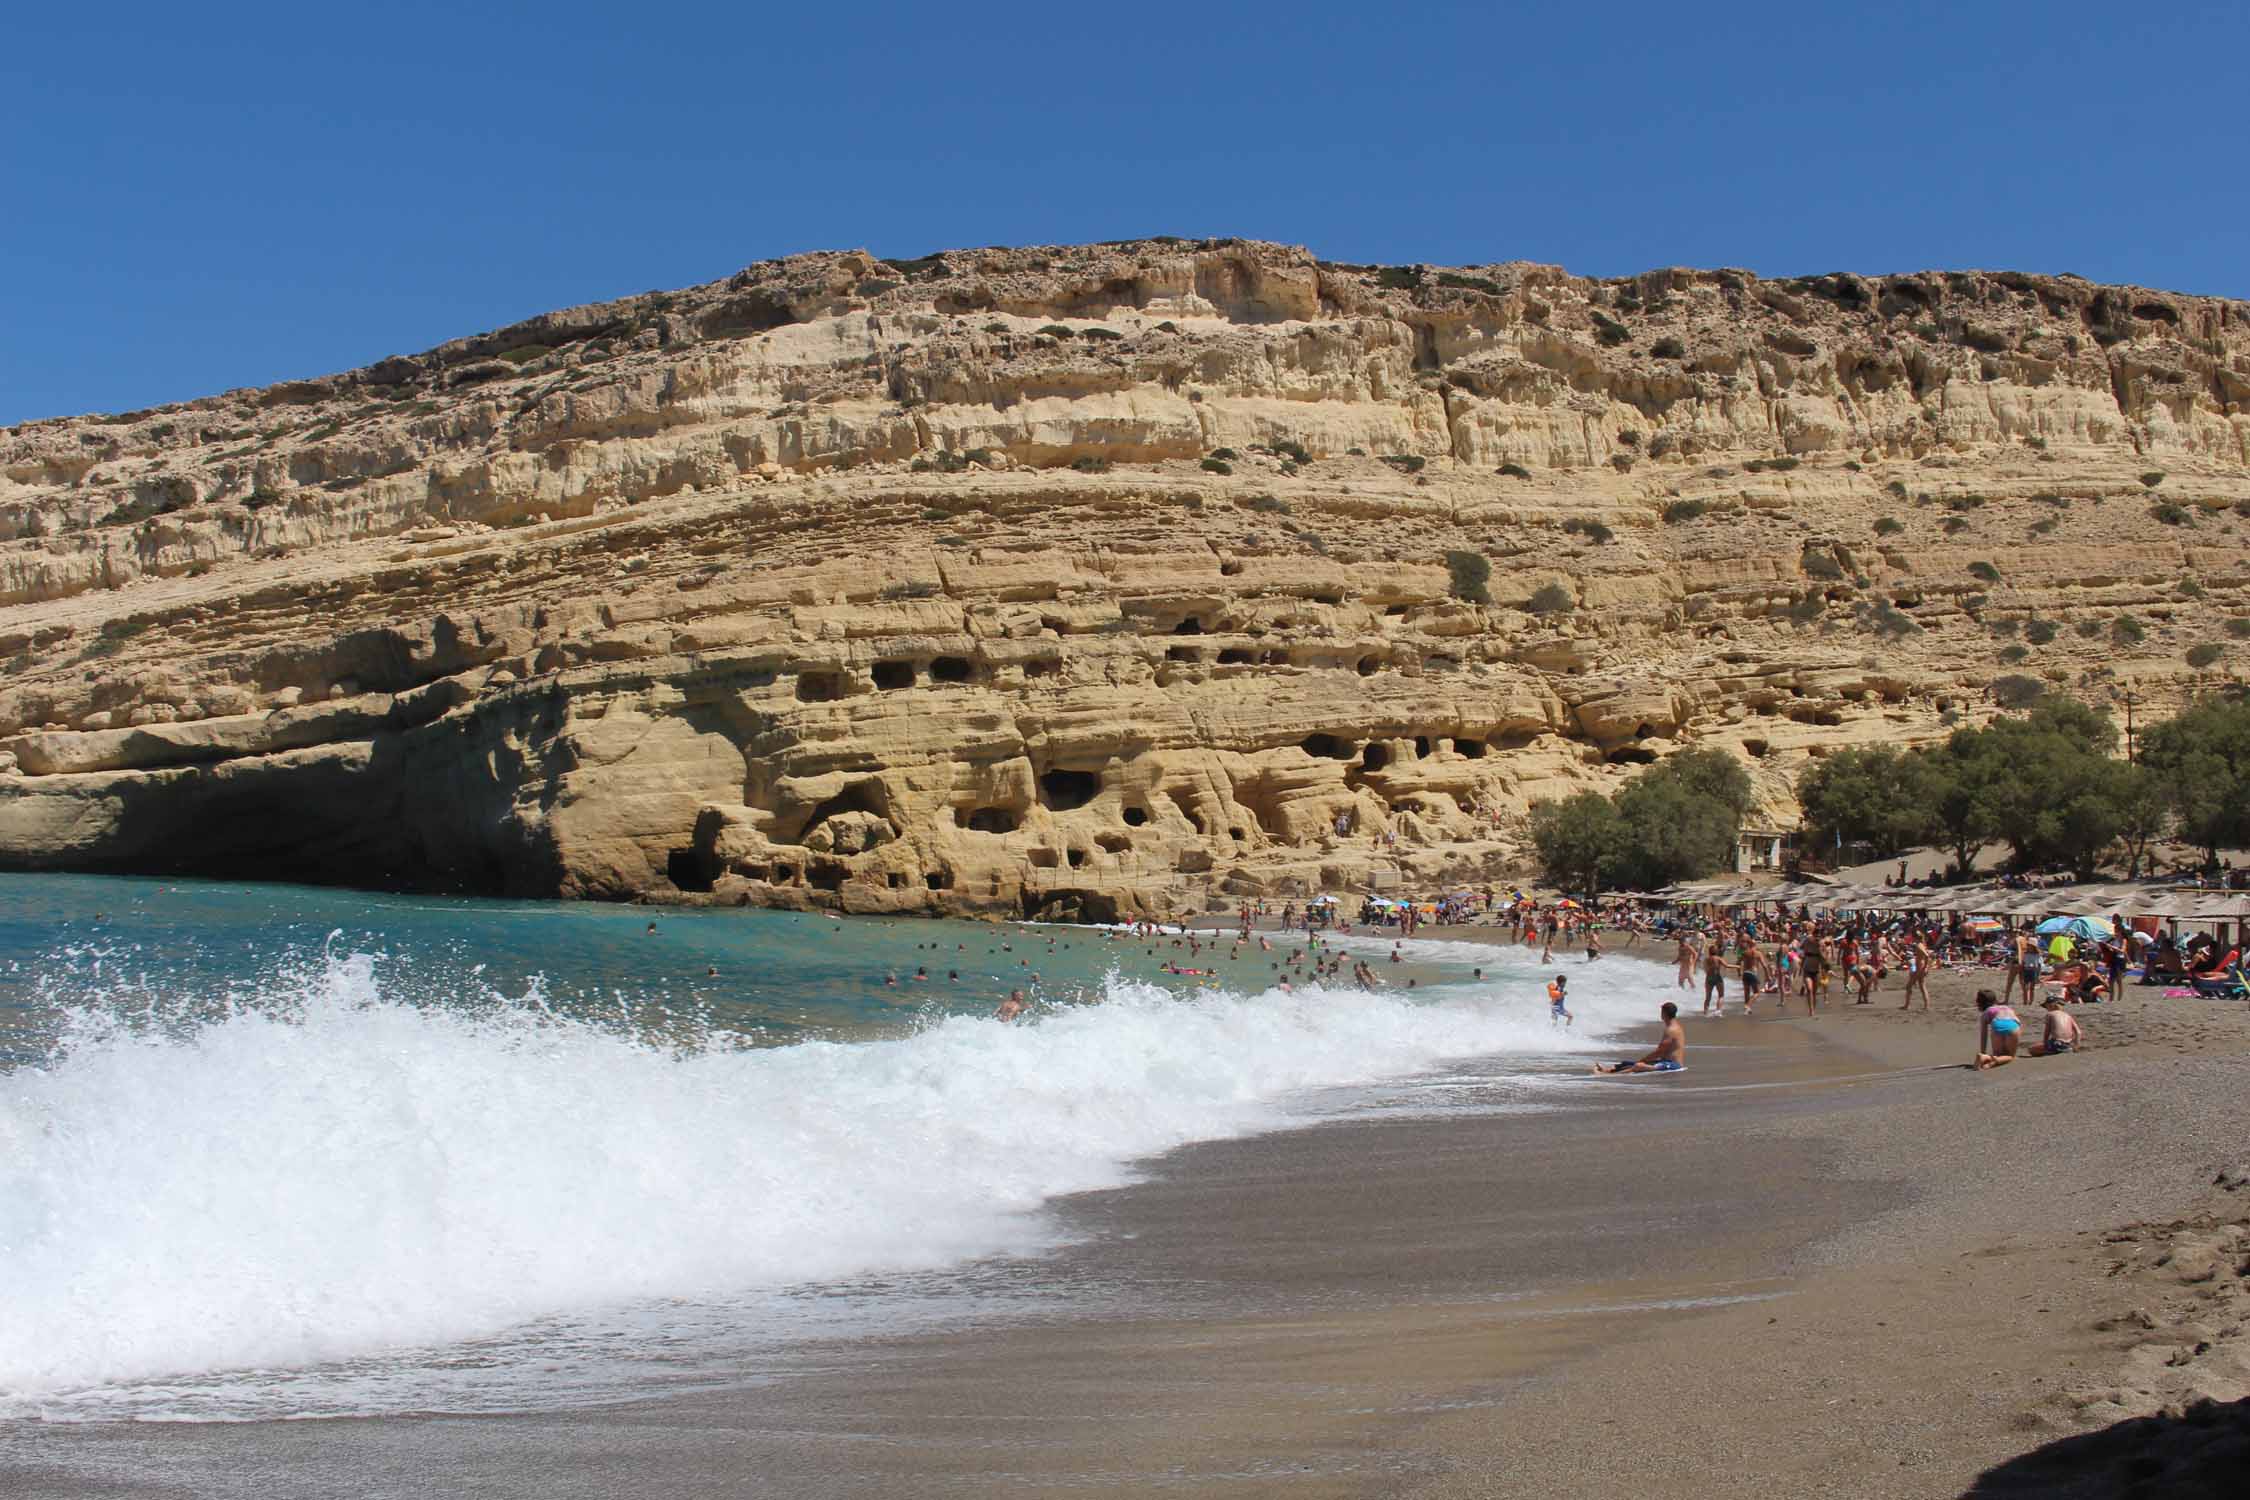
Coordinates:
[1102,578]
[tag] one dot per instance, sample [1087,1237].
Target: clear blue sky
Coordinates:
[199,197]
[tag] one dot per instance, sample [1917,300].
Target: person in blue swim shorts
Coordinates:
[1670,1054]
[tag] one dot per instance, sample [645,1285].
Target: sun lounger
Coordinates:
[2228,986]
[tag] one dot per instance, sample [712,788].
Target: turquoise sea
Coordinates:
[270,1150]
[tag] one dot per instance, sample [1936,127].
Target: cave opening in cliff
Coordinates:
[1236,656]
[1135,816]
[951,669]
[1634,755]
[1421,747]
[892,675]
[1188,654]
[1189,626]
[1757,748]
[685,869]
[1189,812]
[1042,666]
[1473,749]
[1375,757]
[1064,790]
[938,880]
[1112,843]
[988,819]
[1370,665]
[1326,747]
[859,797]
[1077,858]
[820,687]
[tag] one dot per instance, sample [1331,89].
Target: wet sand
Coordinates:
[1827,1256]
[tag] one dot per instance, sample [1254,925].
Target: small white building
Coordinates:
[1763,849]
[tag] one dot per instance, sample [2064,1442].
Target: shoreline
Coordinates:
[1828,1230]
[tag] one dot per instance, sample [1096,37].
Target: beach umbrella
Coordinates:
[1322,901]
[2085,929]
[1566,904]
[1981,925]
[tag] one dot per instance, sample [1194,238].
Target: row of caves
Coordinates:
[831,685]
[1261,793]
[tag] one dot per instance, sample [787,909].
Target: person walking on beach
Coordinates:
[1918,973]
[1668,1056]
[1714,978]
[2025,970]
[1686,957]
[1753,969]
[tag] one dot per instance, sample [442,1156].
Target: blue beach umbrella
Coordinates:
[2085,929]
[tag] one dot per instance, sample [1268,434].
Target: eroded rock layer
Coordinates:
[1098,579]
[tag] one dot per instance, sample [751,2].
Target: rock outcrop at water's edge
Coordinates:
[1100,579]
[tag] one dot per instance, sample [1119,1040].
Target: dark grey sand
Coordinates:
[1815,1261]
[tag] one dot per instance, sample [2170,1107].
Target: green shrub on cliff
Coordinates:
[1469,574]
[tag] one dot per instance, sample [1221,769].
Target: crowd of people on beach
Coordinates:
[1773,954]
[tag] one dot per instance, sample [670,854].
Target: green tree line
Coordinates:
[2048,784]
[1677,820]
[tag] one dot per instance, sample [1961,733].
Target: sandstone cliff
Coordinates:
[1098,578]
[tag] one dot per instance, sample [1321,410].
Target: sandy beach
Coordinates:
[1829,1257]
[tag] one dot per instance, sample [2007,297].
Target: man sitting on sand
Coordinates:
[1670,1055]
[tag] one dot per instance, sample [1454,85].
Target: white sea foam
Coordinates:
[333,1172]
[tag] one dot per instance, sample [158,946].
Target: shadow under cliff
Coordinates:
[455,806]
[2202,1454]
